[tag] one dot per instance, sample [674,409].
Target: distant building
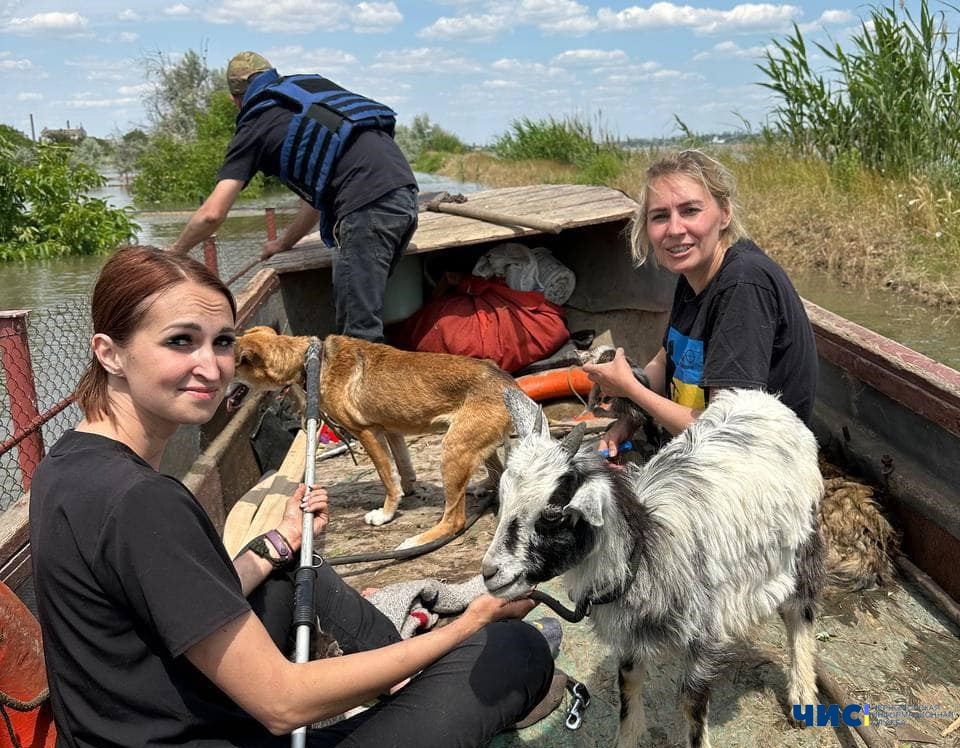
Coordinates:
[65,135]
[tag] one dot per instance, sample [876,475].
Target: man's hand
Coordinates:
[271,248]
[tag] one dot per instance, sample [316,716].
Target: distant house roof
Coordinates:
[68,134]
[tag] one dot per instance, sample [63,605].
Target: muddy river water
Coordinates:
[45,284]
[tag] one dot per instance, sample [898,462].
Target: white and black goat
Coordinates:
[682,554]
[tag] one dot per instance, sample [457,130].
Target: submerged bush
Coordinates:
[45,210]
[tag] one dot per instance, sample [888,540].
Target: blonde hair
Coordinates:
[698,166]
[125,287]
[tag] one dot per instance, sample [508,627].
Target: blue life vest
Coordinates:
[325,117]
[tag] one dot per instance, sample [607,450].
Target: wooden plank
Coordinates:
[14,526]
[15,542]
[924,386]
[252,296]
[242,513]
[17,569]
[570,206]
[261,508]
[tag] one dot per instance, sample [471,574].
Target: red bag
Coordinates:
[27,719]
[485,318]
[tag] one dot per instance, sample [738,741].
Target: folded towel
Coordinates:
[526,269]
[416,606]
[556,280]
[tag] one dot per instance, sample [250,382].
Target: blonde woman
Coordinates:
[736,320]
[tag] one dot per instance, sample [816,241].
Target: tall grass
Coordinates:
[861,227]
[596,159]
[892,101]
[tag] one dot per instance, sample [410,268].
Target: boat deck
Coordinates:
[567,206]
[883,647]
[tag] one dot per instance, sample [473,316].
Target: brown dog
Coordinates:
[379,393]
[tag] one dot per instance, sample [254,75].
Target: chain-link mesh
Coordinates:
[55,352]
[59,349]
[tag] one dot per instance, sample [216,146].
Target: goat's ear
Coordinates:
[587,502]
[527,416]
[572,441]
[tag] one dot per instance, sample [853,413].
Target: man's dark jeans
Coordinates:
[370,242]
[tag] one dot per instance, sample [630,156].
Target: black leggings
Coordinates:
[473,692]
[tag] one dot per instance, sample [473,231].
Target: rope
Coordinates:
[572,388]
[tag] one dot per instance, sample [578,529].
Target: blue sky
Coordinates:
[473,66]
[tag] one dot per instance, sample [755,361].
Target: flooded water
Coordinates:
[43,283]
[933,334]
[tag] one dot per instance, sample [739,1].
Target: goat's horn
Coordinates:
[538,423]
[572,441]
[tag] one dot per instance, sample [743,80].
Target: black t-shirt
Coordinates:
[748,328]
[371,166]
[129,574]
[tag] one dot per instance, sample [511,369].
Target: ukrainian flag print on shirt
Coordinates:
[685,369]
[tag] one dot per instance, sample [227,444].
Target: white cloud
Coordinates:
[29,96]
[7,66]
[376,18]
[590,57]
[284,16]
[727,50]
[552,16]
[467,28]
[296,59]
[136,90]
[128,14]
[835,16]
[89,103]
[177,10]
[701,20]
[501,84]
[423,60]
[42,22]
[526,68]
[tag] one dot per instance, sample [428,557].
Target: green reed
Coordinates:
[891,101]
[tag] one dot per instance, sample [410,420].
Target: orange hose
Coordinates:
[554,383]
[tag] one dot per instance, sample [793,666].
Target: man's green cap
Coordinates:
[241,68]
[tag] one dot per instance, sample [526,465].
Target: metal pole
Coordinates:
[18,372]
[304,605]
[210,253]
[271,218]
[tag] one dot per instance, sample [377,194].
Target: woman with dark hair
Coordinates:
[154,636]
[736,320]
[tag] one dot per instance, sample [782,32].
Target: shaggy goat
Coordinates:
[683,554]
